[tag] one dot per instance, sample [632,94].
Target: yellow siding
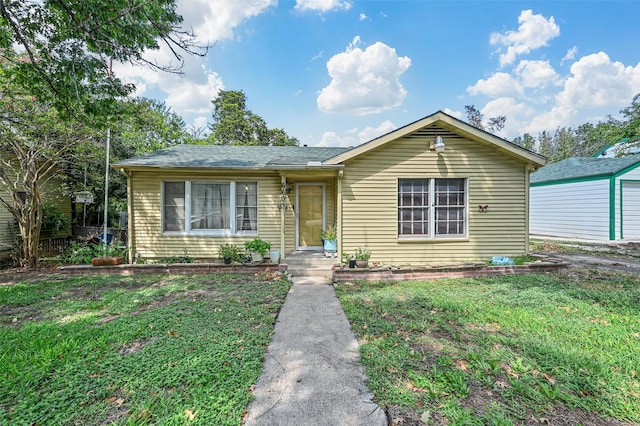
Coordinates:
[8,227]
[369,212]
[149,241]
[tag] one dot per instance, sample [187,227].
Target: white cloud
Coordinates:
[370,133]
[192,91]
[596,81]
[499,84]
[457,114]
[536,73]
[190,97]
[364,81]
[322,5]
[214,20]
[200,122]
[570,55]
[363,17]
[367,134]
[332,139]
[534,32]
[518,115]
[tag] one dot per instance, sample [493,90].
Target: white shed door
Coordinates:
[631,210]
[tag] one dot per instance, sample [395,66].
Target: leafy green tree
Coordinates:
[144,126]
[56,86]
[33,142]
[630,127]
[67,47]
[527,142]
[234,124]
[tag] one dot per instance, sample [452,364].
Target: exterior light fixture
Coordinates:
[439,145]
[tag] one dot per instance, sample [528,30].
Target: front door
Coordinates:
[310,215]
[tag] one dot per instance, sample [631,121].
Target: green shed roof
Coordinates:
[226,156]
[583,168]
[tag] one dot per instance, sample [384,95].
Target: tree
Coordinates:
[33,142]
[527,142]
[630,127]
[234,124]
[475,118]
[144,126]
[55,81]
[67,47]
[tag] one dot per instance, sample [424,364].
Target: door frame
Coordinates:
[324,212]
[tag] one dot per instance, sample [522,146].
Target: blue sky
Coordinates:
[341,72]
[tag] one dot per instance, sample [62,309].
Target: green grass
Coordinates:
[504,350]
[140,350]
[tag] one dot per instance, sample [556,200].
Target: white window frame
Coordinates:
[231,232]
[431,208]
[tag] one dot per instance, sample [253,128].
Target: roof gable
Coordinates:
[230,156]
[452,124]
[577,168]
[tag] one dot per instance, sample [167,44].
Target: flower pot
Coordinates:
[352,263]
[330,246]
[274,255]
[257,257]
[227,260]
[106,261]
[361,263]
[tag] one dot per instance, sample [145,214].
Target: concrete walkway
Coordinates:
[312,374]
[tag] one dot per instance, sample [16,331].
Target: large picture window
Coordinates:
[432,208]
[213,208]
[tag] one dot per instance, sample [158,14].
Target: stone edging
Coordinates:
[174,268]
[427,273]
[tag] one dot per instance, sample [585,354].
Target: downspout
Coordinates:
[527,194]
[130,233]
[339,214]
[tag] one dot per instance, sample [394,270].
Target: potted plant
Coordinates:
[347,259]
[362,256]
[230,253]
[258,248]
[330,239]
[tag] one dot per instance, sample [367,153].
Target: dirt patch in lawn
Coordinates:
[622,257]
[11,276]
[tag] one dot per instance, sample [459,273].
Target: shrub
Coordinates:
[258,245]
[81,252]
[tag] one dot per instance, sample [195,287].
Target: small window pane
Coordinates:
[210,206]
[173,207]
[247,206]
[450,202]
[413,206]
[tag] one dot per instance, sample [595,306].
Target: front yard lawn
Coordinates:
[135,350]
[527,349]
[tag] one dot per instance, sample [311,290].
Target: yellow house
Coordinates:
[437,190]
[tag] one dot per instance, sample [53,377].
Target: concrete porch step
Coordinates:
[301,271]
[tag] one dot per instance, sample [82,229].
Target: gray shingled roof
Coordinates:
[225,156]
[583,167]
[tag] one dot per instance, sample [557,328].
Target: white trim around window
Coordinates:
[214,208]
[432,209]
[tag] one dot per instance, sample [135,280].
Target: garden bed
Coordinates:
[427,273]
[173,268]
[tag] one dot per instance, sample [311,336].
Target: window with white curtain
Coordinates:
[432,208]
[213,208]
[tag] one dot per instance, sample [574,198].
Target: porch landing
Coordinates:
[309,264]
